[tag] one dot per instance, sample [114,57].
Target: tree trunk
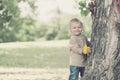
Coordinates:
[104,62]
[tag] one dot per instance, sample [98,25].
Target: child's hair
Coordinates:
[76,20]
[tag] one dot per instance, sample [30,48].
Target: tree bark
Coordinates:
[104,62]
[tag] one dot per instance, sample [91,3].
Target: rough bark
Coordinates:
[104,62]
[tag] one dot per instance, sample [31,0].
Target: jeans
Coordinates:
[74,72]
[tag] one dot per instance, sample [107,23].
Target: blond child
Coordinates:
[77,42]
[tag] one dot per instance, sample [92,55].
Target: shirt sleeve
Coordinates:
[75,47]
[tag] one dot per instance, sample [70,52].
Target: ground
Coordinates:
[33,74]
[44,60]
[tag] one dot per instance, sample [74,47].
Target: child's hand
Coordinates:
[89,50]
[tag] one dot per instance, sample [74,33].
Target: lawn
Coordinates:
[34,56]
[34,61]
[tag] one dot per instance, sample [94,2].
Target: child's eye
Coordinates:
[74,27]
[79,27]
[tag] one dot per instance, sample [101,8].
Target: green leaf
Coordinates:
[82,4]
[83,9]
[84,12]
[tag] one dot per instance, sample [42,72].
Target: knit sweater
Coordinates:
[76,48]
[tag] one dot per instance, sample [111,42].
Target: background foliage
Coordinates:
[13,27]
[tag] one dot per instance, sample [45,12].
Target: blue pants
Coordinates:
[74,72]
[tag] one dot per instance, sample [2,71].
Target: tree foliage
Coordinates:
[11,24]
[14,27]
[8,20]
[83,8]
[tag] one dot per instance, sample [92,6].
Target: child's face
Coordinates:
[75,28]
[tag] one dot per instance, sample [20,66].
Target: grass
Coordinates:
[34,57]
[34,60]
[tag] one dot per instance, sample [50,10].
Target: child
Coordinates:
[77,42]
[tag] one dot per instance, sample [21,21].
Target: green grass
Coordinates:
[35,57]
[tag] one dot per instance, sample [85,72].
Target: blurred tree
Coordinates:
[11,23]
[7,20]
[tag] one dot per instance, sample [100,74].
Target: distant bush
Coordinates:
[51,34]
[27,33]
[63,34]
[41,32]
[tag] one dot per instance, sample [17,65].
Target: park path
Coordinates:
[33,74]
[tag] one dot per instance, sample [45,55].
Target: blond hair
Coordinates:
[76,20]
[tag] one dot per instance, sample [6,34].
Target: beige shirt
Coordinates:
[76,48]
